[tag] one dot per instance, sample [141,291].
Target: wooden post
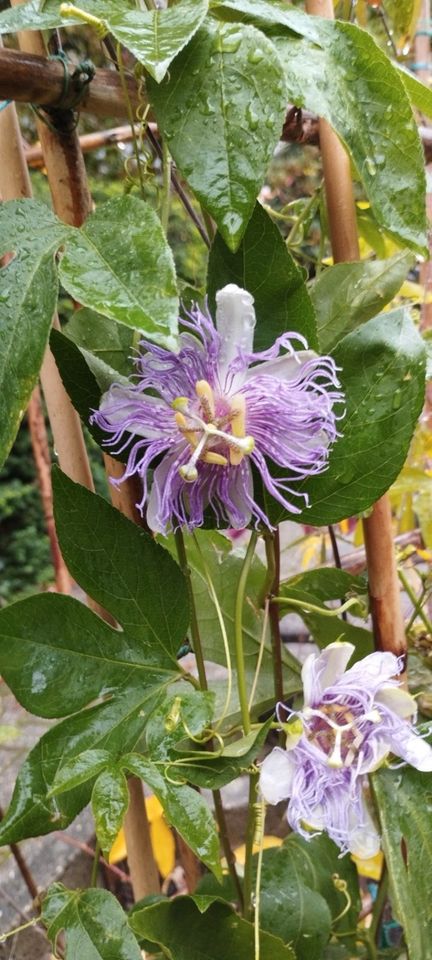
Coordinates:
[389,631]
[142,867]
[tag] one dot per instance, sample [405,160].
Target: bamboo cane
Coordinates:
[389,632]
[31,78]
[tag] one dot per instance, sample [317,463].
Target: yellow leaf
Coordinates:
[240,852]
[161,836]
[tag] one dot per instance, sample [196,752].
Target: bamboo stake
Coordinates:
[384,590]
[142,866]
[29,78]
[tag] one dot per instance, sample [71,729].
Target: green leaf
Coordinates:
[404,805]
[317,587]
[30,16]
[185,933]
[119,264]
[264,266]
[203,768]
[419,94]
[47,638]
[122,568]
[28,296]
[110,800]
[155,37]
[316,863]
[98,338]
[95,925]
[113,726]
[382,370]
[184,808]
[78,380]
[348,294]
[222,110]
[78,770]
[337,70]
[291,910]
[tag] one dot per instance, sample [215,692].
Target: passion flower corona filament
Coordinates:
[200,419]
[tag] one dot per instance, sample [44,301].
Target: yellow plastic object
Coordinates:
[161,837]
[372,868]
[240,852]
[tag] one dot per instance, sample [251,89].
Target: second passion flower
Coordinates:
[200,418]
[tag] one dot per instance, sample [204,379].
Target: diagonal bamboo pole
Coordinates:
[389,632]
[67,178]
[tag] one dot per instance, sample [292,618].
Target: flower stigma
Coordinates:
[203,431]
[340,738]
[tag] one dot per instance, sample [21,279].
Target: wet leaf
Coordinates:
[221,111]
[404,805]
[52,637]
[264,267]
[184,808]
[28,297]
[110,800]
[119,264]
[94,923]
[155,37]
[348,294]
[186,932]
[337,70]
[112,344]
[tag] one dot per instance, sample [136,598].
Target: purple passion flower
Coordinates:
[201,417]
[350,722]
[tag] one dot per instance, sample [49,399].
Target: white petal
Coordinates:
[398,701]
[276,776]
[235,323]
[320,672]
[364,841]
[284,368]
[380,750]
[412,748]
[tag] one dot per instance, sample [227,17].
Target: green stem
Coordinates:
[415,601]
[378,906]
[272,548]
[195,631]
[95,867]
[196,642]
[226,846]
[238,632]
[250,834]
[130,114]
[166,186]
[420,600]
[312,608]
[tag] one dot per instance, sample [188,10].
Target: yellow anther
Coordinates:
[238,427]
[180,403]
[210,457]
[189,473]
[182,424]
[205,395]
